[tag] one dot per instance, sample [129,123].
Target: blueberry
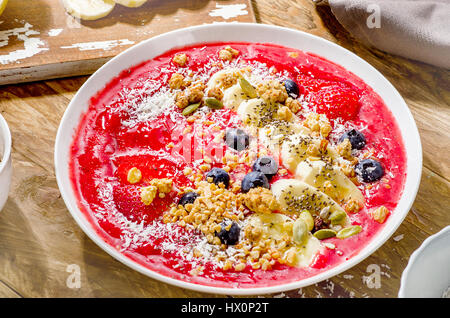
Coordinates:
[291,88]
[230,236]
[219,176]
[355,137]
[237,139]
[266,165]
[254,179]
[188,197]
[369,170]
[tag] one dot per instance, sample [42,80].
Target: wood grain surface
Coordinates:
[69,47]
[39,239]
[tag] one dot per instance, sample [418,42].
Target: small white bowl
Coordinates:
[241,32]
[428,272]
[5,163]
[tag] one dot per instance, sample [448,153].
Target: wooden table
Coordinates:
[39,239]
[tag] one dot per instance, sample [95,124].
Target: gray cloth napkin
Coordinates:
[416,29]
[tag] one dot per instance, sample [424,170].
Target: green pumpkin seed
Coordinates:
[247,88]
[337,217]
[308,219]
[348,231]
[213,103]
[299,231]
[190,109]
[324,234]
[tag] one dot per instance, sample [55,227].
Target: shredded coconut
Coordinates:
[137,234]
[149,107]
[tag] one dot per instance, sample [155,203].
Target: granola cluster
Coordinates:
[180,59]
[272,91]
[160,186]
[261,200]
[228,53]
[192,94]
[264,251]
[177,81]
[318,123]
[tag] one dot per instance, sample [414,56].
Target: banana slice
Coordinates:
[295,149]
[89,9]
[3,4]
[273,135]
[131,3]
[256,112]
[277,226]
[328,179]
[295,196]
[233,96]
[221,79]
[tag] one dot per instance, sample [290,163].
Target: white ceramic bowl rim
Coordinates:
[415,255]
[245,32]
[5,134]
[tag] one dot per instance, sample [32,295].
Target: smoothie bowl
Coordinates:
[267,161]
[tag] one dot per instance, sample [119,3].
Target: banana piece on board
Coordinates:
[131,3]
[89,9]
[3,4]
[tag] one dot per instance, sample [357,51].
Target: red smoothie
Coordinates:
[133,123]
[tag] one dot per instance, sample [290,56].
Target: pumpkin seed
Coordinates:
[324,234]
[337,217]
[299,231]
[325,213]
[213,103]
[190,109]
[348,231]
[308,219]
[247,88]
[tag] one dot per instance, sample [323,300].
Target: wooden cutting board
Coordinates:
[39,40]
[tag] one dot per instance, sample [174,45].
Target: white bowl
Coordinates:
[245,32]
[5,163]
[428,272]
